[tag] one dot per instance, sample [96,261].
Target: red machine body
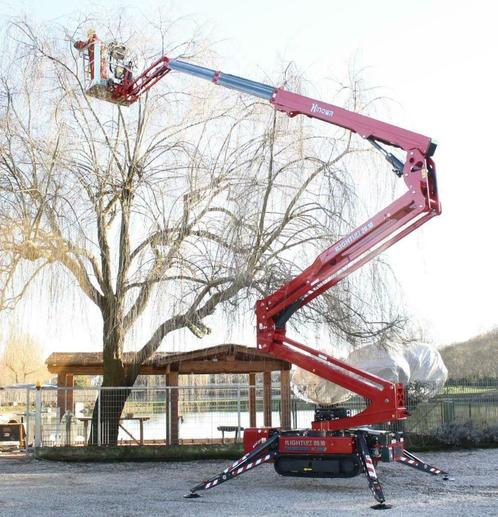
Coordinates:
[338,444]
[307,453]
[290,444]
[315,443]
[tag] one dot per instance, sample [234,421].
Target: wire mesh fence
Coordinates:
[54,417]
[134,416]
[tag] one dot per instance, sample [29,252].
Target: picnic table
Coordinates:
[140,419]
[229,429]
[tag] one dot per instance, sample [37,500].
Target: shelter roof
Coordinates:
[226,358]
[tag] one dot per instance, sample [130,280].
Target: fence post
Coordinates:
[98,417]
[166,416]
[26,431]
[238,413]
[38,417]
[58,432]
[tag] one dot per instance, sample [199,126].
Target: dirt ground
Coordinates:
[40,488]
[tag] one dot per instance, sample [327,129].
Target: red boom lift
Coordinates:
[338,444]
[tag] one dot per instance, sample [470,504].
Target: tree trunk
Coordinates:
[110,404]
[113,395]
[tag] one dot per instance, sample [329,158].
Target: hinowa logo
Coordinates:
[315,108]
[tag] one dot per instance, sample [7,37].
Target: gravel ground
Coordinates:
[39,488]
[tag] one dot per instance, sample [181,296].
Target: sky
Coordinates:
[436,61]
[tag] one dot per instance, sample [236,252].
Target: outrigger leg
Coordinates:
[261,454]
[412,461]
[370,473]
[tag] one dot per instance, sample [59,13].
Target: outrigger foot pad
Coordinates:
[192,495]
[381,506]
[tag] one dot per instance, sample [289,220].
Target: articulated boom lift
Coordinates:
[338,444]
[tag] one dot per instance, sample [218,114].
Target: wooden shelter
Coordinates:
[225,359]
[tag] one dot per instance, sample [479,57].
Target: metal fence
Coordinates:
[74,416]
[459,402]
[53,417]
[467,401]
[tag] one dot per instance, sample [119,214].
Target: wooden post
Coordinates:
[61,396]
[167,437]
[69,393]
[252,400]
[285,399]
[65,397]
[172,380]
[267,399]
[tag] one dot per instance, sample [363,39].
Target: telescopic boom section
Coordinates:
[417,205]
[291,103]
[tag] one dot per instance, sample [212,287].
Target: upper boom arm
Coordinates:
[288,102]
[366,127]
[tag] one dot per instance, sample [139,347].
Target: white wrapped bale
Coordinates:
[417,364]
[311,388]
[389,364]
[428,371]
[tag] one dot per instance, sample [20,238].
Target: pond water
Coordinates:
[205,424]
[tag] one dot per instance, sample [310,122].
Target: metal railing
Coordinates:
[54,417]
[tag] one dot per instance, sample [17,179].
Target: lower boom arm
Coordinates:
[411,210]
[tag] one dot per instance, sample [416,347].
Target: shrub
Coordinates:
[466,434]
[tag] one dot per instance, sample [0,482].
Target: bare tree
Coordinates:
[22,360]
[178,206]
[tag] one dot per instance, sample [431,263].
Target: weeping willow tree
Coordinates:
[192,201]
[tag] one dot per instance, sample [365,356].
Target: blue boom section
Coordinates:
[264,91]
